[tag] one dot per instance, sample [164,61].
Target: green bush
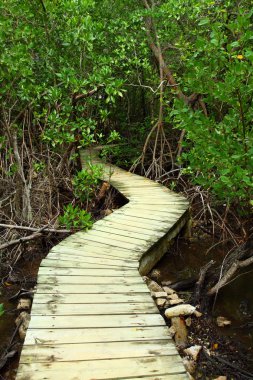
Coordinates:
[75,217]
[86,182]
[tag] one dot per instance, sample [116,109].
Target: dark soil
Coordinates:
[220,356]
[226,351]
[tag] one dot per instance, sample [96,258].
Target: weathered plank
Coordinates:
[102,335]
[93,258]
[121,238]
[107,251]
[92,289]
[125,230]
[146,215]
[89,272]
[57,308]
[138,222]
[85,321]
[100,242]
[89,262]
[92,298]
[86,280]
[60,263]
[97,351]
[103,369]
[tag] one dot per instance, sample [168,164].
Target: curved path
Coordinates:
[92,315]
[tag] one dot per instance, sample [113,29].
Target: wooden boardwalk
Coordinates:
[92,315]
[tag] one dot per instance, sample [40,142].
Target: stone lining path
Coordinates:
[92,315]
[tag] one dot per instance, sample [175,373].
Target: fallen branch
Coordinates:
[32,229]
[201,280]
[238,259]
[33,236]
[229,274]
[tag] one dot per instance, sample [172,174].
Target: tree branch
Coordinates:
[238,264]
[35,235]
[32,229]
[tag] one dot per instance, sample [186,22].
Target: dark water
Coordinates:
[235,301]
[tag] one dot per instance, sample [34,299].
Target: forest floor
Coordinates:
[225,351]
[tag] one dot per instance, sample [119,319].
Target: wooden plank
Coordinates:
[140,232]
[94,248]
[105,239]
[88,255]
[169,201]
[157,202]
[96,252]
[42,298]
[128,181]
[177,210]
[95,289]
[115,334]
[102,369]
[96,351]
[121,238]
[135,221]
[58,263]
[156,192]
[147,217]
[89,259]
[89,272]
[85,321]
[169,218]
[105,242]
[56,308]
[82,280]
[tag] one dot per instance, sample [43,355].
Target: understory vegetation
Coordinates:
[171,80]
[165,86]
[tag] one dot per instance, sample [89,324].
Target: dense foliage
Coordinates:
[174,79]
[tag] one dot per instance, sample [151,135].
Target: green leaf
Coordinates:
[204,21]
[1,309]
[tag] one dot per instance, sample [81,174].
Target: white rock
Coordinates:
[106,212]
[23,322]
[222,322]
[188,321]
[173,296]
[172,331]
[168,290]
[197,313]
[193,351]
[190,365]
[159,295]
[175,302]
[24,304]
[181,336]
[160,302]
[221,378]
[178,310]
[152,285]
